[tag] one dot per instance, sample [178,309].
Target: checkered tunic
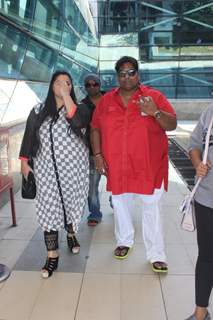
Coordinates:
[73,168]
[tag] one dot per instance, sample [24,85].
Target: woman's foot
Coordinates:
[50,266]
[73,243]
[200,314]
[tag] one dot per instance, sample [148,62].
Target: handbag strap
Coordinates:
[205,154]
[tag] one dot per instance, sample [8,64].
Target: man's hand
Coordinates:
[100,164]
[147,105]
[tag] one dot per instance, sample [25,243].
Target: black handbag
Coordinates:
[28,190]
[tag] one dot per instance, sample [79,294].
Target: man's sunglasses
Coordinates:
[130,73]
[89,85]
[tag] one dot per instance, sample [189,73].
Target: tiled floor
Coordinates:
[93,285]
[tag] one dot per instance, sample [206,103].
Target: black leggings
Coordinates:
[51,238]
[204,266]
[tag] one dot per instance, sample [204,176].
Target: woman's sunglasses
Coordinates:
[130,73]
[89,85]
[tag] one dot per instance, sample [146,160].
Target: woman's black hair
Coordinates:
[126,59]
[50,108]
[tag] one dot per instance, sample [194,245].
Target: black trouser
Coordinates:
[204,266]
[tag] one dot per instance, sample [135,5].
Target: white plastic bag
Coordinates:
[188,222]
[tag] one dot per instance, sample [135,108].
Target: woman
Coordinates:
[53,138]
[204,215]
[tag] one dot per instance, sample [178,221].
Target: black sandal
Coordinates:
[50,266]
[73,244]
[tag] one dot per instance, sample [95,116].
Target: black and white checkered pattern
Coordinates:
[73,167]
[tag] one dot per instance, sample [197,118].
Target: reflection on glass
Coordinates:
[201,52]
[12,48]
[19,11]
[111,53]
[69,39]
[156,80]
[48,23]
[6,90]
[119,40]
[28,97]
[38,62]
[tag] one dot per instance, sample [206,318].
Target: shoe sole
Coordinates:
[159,271]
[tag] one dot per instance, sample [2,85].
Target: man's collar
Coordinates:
[140,88]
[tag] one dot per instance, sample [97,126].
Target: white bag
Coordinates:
[188,221]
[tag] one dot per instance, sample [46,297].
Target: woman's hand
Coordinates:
[202,169]
[25,168]
[65,88]
[100,164]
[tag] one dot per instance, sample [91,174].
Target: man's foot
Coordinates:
[121,252]
[159,267]
[92,222]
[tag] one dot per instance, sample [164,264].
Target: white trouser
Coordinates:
[152,229]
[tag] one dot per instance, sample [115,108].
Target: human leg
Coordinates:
[124,230]
[51,242]
[153,230]
[95,215]
[72,241]
[204,265]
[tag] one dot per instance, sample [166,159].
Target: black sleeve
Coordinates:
[29,136]
[82,117]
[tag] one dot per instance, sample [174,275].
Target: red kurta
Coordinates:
[135,147]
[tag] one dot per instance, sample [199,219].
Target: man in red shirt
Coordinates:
[130,147]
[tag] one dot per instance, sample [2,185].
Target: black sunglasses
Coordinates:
[88,85]
[130,73]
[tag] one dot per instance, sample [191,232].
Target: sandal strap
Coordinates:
[50,265]
[72,241]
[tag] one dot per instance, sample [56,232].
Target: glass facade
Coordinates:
[38,37]
[172,40]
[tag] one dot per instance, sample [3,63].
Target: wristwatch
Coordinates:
[157,114]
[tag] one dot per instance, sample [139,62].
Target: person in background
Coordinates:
[204,215]
[92,86]
[54,139]
[130,147]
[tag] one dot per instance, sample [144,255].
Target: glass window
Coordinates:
[149,53]
[159,79]
[29,94]
[76,71]
[38,62]
[193,92]
[69,40]
[12,49]
[48,23]
[6,90]
[118,40]
[19,11]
